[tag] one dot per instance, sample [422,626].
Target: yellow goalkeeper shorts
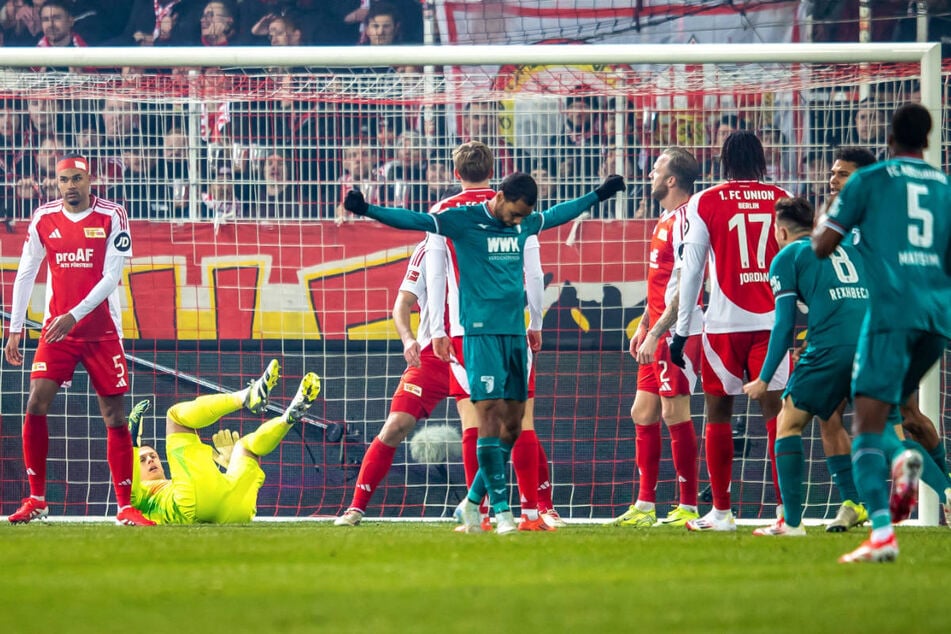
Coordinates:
[202,492]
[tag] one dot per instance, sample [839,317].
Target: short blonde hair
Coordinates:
[473,161]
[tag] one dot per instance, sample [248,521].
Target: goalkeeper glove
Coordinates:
[224,441]
[135,421]
[355,202]
[677,350]
[611,185]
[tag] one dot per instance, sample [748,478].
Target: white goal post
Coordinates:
[926,55]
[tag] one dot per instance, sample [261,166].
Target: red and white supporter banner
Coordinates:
[615,22]
[315,280]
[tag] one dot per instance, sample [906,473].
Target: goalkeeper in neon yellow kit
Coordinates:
[197,490]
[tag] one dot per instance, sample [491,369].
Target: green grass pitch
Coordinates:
[411,577]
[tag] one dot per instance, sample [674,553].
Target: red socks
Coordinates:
[683,446]
[647,444]
[525,463]
[470,462]
[121,461]
[36,441]
[719,449]
[544,480]
[771,451]
[376,464]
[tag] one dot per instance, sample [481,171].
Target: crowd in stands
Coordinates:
[204,23]
[293,154]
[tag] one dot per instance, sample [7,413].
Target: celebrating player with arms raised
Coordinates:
[85,241]
[730,234]
[490,241]
[473,163]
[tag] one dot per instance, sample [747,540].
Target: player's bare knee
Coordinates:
[511,428]
[397,427]
[790,426]
[112,409]
[675,410]
[920,429]
[719,408]
[241,449]
[42,393]
[771,404]
[37,407]
[646,408]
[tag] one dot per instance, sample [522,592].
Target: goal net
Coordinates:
[233,175]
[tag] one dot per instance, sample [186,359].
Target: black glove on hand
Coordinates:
[677,350]
[611,185]
[355,203]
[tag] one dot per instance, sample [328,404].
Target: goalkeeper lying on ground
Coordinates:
[197,490]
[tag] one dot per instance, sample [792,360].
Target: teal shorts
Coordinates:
[497,367]
[889,364]
[821,379]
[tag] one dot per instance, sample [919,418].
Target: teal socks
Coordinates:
[789,467]
[840,467]
[870,470]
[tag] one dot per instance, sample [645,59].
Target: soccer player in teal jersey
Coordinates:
[835,292]
[489,239]
[836,443]
[197,492]
[835,440]
[901,209]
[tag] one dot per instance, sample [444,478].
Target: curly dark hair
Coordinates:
[743,157]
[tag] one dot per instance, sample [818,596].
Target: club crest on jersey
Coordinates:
[413,389]
[38,366]
[122,242]
[489,383]
[94,232]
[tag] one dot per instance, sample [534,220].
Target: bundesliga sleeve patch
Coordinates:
[123,242]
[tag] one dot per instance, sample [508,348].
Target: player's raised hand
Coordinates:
[611,185]
[355,202]
[135,420]
[677,350]
[224,441]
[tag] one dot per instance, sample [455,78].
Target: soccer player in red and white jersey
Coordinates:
[424,384]
[473,165]
[663,389]
[85,241]
[730,234]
